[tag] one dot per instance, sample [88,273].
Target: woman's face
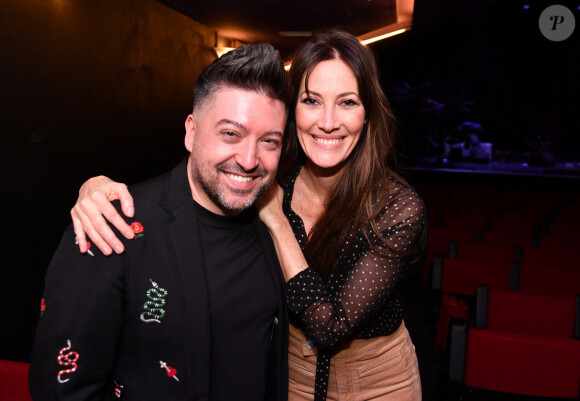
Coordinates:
[330,117]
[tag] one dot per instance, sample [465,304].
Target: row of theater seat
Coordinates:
[518,343]
[505,268]
[462,276]
[14,381]
[471,243]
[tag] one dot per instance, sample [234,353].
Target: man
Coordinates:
[194,308]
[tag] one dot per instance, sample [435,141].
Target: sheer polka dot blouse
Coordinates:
[357,301]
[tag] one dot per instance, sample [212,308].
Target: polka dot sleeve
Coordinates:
[357,297]
[303,289]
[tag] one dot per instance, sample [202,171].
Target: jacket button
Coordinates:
[309,345]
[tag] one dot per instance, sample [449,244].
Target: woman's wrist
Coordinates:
[275,221]
[278,223]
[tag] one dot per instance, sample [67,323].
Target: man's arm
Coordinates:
[80,321]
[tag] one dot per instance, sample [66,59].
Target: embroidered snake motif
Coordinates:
[68,359]
[154,307]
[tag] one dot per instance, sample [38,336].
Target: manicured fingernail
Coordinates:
[107,250]
[130,210]
[129,234]
[118,248]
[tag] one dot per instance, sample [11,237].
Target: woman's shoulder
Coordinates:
[398,190]
[400,202]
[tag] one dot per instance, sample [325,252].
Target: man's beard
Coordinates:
[218,193]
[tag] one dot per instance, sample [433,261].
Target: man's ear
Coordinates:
[190,127]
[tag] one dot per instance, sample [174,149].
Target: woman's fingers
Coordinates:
[85,225]
[79,231]
[120,191]
[93,209]
[98,208]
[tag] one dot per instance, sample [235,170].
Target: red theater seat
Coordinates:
[438,245]
[519,343]
[522,364]
[549,279]
[14,381]
[552,257]
[462,277]
[450,308]
[465,250]
[524,313]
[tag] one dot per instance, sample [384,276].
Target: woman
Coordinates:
[345,227]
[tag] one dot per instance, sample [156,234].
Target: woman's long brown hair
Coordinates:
[362,188]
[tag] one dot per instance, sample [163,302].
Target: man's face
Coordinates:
[235,139]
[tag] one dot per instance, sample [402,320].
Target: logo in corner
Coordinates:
[557,23]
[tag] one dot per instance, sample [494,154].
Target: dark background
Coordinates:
[522,88]
[104,96]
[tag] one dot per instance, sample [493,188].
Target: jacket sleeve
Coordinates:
[79,325]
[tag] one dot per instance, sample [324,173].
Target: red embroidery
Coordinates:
[170,371]
[137,229]
[89,249]
[68,359]
[119,389]
[88,246]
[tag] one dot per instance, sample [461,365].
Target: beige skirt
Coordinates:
[381,368]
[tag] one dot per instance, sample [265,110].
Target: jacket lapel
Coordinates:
[277,387]
[271,258]
[183,240]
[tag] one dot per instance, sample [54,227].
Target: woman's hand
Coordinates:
[270,210]
[269,206]
[94,206]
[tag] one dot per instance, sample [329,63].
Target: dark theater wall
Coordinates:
[86,87]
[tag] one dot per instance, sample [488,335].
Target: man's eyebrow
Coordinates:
[231,122]
[243,127]
[275,133]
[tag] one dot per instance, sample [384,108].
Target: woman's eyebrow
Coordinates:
[311,92]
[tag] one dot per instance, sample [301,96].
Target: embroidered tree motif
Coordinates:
[154,307]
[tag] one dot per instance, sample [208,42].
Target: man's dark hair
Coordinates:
[257,67]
